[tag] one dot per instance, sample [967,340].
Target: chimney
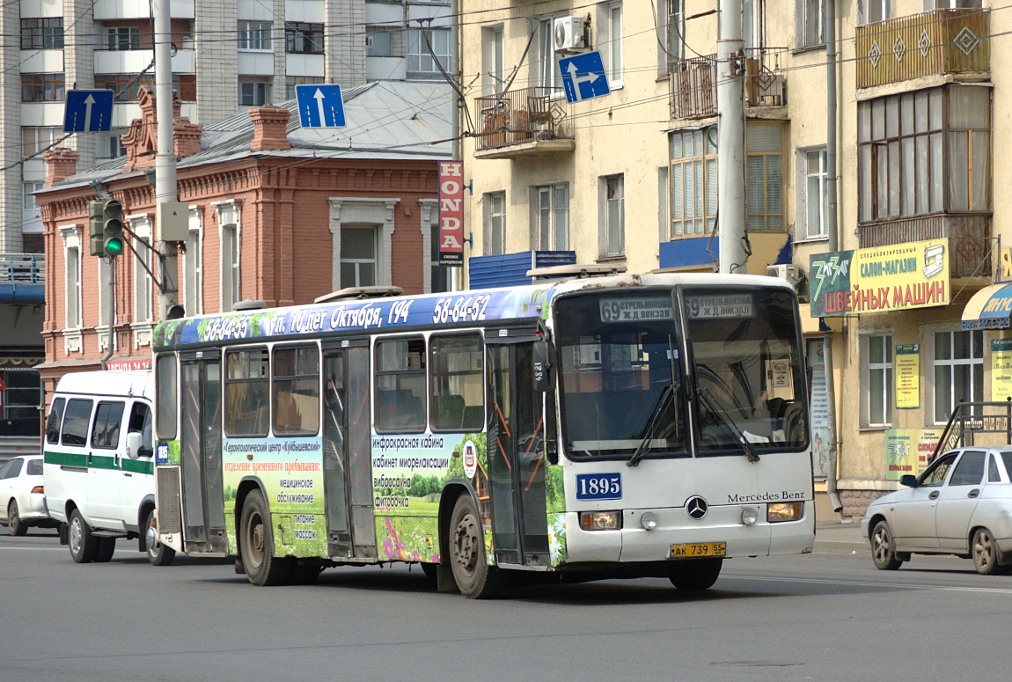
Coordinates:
[270,126]
[61,163]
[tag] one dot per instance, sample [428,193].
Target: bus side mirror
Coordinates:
[543,378]
[133,444]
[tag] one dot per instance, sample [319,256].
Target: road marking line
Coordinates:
[862,583]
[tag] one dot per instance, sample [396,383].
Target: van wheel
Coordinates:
[475,578]
[256,544]
[14,523]
[83,545]
[106,547]
[158,554]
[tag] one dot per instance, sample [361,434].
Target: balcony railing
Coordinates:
[939,42]
[970,239]
[523,121]
[22,278]
[693,83]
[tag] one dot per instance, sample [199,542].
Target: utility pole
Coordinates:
[731,138]
[165,158]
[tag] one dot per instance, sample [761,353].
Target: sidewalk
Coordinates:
[834,536]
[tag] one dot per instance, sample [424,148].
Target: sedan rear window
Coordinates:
[35,467]
[1007,458]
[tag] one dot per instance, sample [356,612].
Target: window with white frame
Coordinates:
[378,43]
[43,33]
[123,38]
[612,48]
[812,198]
[358,256]
[420,60]
[613,229]
[693,177]
[810,23]
[959,371]
[672,18]
[879,388]
[31,216]
[254,93]
[192,266]
[874,10]
[231,283]
[254,35]
[547,73]
[73,284]
[951,4]
[37,140]
[492,60]
[764,176]
[494,241]
[550,217]
[142,280]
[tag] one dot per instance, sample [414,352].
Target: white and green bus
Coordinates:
[615,426]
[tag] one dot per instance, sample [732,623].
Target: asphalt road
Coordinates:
[825,616]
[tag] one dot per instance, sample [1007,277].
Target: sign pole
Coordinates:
[165,159]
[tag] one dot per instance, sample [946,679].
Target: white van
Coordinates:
[99,465]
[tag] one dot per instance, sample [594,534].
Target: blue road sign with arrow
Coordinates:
[320,106]
[583,76]
[88,111]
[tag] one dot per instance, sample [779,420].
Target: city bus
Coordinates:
[627,425]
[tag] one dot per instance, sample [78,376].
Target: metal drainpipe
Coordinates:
[829,18]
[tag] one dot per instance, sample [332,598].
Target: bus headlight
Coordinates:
[784,511]
[648,520]
[600,520]
[749,516]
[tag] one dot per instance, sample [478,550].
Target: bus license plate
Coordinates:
[698,549]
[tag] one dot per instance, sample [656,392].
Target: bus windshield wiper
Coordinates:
[746,444]
[648,435]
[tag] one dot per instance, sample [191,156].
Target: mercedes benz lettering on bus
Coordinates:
[628,425]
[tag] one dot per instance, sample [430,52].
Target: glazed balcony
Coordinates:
[970,239]
[523,122]
[692,83]
[936,43]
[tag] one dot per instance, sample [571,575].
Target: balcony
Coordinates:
[523,122]
[935,43]
[22,278]
[692,83]
[970,240]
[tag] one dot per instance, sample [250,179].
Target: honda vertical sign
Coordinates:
[451,212]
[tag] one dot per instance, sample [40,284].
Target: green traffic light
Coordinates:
[114,246]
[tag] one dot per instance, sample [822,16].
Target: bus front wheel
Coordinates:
[256,544]
[475,578]
[695,574]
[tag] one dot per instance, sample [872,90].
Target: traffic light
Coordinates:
[112,228]
[96,239]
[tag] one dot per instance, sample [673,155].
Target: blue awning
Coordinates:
[989,308]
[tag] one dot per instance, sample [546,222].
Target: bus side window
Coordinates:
[400,386]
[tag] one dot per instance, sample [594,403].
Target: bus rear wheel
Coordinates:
[256,544]
[158,554]
[474,577]
[694,575]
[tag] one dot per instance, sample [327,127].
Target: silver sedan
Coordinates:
[961,505]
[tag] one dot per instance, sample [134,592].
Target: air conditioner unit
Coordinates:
[793,274]
[570,34]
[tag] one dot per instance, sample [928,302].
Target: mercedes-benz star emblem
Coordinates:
[696,507]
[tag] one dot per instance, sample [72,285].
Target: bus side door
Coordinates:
[516,453]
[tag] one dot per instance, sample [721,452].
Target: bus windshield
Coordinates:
[748,369]
[619,370]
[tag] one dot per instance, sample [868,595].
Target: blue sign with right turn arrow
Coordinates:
[583,76]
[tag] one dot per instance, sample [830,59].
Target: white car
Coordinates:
[22,497]
[961,505]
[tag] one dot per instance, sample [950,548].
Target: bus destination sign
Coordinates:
[720,306]
[636,309]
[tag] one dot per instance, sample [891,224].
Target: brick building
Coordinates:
[276,213]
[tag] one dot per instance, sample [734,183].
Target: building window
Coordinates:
[142,280]
[951,4]
[115,145]
[303,38]
[42,33]
[231,284]
[126,88]
[875,10]
[292,81]
[42,87]
[764,176]
[693,182]
[550,217]
[254,93]
[613,233]
[878,399]
[959,371]
[254,35]
[810,25]
[813,200]
[377,44]
[914,159]
[492,59]
[672,18]
[494,242]
[358,257]
[192,267]
[37,140]
[123,38]
[548,74]
[420,59]
[31,216]
[73,255]
[612,48]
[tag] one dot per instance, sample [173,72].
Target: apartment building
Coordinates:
[228,56]
[899,302]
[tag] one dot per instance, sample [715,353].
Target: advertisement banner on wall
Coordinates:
[880,279]
[908,376]
[908,451]
[819,408]
[1001,369]
[451,212]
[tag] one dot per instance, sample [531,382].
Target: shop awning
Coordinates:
[989,308]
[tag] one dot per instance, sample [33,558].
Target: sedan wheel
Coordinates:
[985,557]
[14,523]
[883,551]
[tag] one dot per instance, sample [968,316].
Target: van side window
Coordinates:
[75,422]
[55,420]
[108,418]
[140,422]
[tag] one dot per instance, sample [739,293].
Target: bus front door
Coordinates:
[347,460]
[516,452]
[200,453]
